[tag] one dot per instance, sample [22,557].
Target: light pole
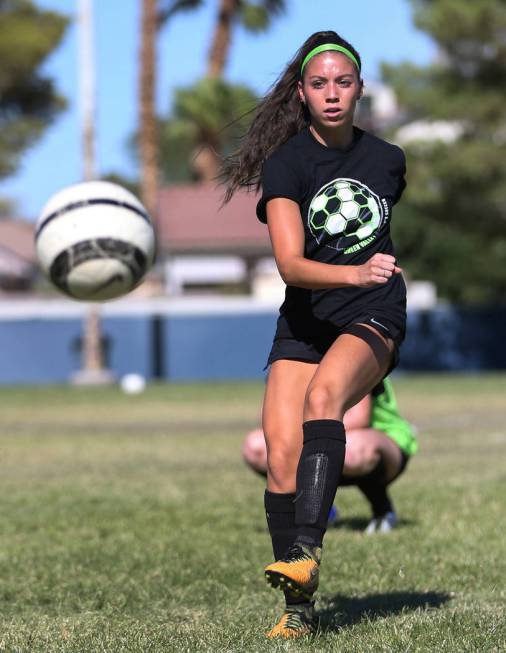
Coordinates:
[92,370]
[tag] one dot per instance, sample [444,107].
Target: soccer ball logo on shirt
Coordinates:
[345,215]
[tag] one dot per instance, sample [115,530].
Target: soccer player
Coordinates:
[328,189]
[379,443]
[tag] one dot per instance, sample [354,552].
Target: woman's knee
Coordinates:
[281,475]
[283,453]
[282,456]
[323,402]
[361,456]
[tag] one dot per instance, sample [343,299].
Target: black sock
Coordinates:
[318,476]
[280,513]
[373,486]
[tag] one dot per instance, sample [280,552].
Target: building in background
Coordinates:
[210,248]
[18,267]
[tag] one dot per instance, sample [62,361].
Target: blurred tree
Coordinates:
[253,16]
[451,226]
[154,15]
[117,178]
[206,122]
[147,119]
[29,101]
[209,117]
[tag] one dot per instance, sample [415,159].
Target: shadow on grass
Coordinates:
[340,611]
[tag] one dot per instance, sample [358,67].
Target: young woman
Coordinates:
[379,444]
[328,189]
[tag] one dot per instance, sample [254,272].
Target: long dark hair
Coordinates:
[279,116]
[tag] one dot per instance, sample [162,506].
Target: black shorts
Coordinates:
[313,348]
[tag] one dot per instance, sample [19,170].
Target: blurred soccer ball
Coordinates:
[133,384]
[94,241]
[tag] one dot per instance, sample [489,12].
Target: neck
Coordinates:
[340,138]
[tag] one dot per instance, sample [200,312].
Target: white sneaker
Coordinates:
[383,524]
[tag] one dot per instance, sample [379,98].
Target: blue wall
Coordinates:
[455,339]
[228,345]
[48,350]
[218,346]
[37,351]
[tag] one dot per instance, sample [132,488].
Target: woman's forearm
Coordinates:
[313,275]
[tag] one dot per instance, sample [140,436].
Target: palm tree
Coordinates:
[154,14]
[188,135]
[254,16]
[201,139]
[192,140]
[147,120]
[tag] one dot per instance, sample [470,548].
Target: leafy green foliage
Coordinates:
[167,9]
[257,16]
[128,183]
[451,226]
[208,118]
[28,100]
[212,113]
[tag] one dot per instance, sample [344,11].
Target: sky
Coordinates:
[381,30]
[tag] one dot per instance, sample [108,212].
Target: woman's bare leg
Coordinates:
[282,421]
[365,448]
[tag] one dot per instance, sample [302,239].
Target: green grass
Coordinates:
[130,524]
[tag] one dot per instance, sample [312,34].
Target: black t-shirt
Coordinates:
[345,199]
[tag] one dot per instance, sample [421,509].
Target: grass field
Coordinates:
[130,524]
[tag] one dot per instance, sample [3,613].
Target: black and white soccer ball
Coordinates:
[95,241]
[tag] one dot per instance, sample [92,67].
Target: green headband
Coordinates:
[324,48]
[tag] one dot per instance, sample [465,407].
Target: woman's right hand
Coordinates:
[378,270]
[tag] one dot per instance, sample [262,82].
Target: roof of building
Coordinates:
[191,220]
[17,236]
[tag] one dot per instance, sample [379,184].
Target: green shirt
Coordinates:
[385,417]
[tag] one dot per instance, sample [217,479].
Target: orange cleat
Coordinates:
[297,621]
[297,572]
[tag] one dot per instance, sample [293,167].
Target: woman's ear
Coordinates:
[301,93]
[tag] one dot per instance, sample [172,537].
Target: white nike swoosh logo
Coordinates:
[379,324]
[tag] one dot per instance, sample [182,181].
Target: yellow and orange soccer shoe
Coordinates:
[297,571]
[297,621]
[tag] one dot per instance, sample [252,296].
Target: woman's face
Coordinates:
[330,88]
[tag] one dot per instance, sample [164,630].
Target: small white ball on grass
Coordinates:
[133,384]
